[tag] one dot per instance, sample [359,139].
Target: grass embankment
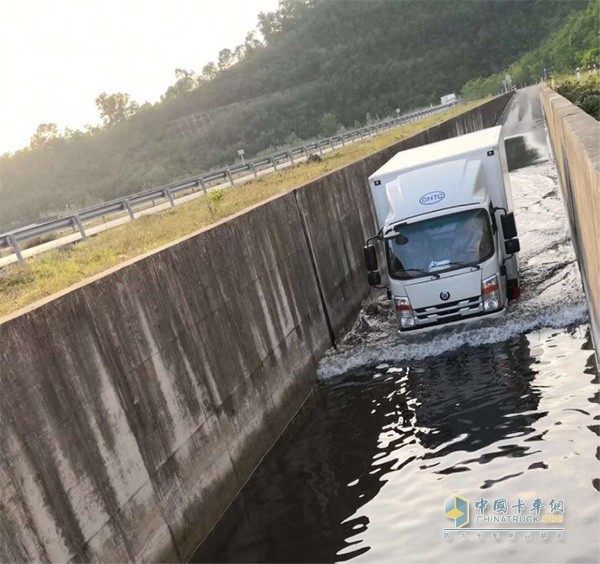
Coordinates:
[48,273]
[584,92]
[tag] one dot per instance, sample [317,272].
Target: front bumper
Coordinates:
[450,321]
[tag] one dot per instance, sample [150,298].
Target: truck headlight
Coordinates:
[404,312]
[490,293]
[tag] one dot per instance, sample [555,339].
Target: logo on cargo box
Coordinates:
[432,198]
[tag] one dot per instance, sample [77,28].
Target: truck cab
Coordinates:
[447,231]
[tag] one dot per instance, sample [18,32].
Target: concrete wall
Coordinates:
[575,138]
[134,407]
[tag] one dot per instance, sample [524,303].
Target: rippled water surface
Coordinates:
[364,470]
[502,409]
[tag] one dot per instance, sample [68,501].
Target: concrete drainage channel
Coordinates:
[503,409]
[136,406]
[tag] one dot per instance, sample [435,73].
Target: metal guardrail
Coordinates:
[203,181]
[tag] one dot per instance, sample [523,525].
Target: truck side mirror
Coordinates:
[512,246]
[509,228]
[374,278]
[370,257]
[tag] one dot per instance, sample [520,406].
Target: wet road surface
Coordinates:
[505,410]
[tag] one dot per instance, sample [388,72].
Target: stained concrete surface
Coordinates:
[575,138]
[135,406]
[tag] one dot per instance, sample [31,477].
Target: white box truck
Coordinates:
[448,99]
[445,219]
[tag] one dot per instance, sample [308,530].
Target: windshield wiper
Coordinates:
[434,274]
[475,266]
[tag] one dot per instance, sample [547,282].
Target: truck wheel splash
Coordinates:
[552,294]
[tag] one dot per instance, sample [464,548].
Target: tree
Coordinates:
[269,24]
[239,53]
[251,42]
[44,133]
[225,59]
[116,107]
[329,125]
[186,80]
[590,57]
[209,71]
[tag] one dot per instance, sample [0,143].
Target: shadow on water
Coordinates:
[349,438]
[519,153]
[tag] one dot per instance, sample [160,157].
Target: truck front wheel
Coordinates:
[513,290]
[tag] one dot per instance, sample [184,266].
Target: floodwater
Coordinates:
[505,410]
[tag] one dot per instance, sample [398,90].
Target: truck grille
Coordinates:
[450,311]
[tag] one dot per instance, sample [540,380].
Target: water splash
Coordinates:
[552,294]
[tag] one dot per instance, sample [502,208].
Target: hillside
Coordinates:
[575,44]
[321,65]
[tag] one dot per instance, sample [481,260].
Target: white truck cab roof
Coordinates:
[446,175]
[449,149]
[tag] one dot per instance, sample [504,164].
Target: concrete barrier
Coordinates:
[575,139]
[135,406]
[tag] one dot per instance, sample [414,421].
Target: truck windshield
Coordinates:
[439,244]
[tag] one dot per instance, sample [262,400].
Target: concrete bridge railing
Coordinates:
[575,138]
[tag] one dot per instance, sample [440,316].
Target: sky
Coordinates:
[56,56]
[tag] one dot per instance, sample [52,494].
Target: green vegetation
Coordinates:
[215,197]
[584,93]
[46,274]
[311,68]
[575,44]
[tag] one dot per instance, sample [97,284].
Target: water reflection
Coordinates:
[359,430]
[521,153]
[469,395]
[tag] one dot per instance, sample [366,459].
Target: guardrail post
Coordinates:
[77,223]
[289,154]
[331,144]
[127,206]
[253,169]
[305,152]
[170,196]
[342,140]
[15,247]
[201,183]
[320,148]
[273,163]
[229,176]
